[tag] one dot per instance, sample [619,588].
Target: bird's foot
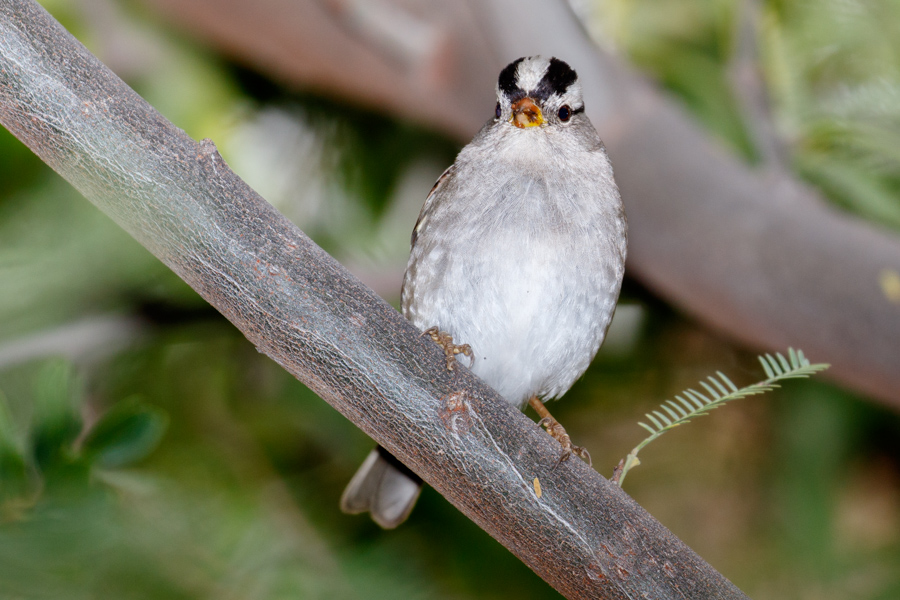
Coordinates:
[445,341]
[558,432]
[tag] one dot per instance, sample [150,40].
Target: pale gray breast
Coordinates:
[522,270]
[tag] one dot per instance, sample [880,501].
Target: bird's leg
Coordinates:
[558,432]
[445,341]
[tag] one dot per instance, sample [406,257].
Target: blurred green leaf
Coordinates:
[61,258]
[833,71]
[852,186]
[127,433]
[687,46]
[832,76]
[17,480]
[55,420]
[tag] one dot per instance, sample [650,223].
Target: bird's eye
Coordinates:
[565,113]
[497,110]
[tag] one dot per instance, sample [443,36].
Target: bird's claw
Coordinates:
[558,432]
[445,341]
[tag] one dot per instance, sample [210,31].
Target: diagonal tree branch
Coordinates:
[300,307]
[757,256]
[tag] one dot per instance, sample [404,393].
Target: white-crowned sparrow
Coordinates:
[519,252]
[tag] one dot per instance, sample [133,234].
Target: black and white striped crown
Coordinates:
[538,78]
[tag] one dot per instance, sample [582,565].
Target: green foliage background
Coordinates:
[171,460]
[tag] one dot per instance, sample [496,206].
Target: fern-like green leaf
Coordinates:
[765,365]
[647,427]
[719,389]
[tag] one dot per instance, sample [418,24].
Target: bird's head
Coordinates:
[534,91]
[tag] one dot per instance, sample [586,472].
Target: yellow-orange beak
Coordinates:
[525,113]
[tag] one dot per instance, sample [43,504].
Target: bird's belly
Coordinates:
[532,311]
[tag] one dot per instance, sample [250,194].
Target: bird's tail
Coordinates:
[383,486]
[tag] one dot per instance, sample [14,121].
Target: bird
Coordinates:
[518,253]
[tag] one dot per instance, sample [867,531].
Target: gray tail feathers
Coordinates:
[383,486]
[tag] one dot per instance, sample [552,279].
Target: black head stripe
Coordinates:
[556,80]
[560,75]
[507,80]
